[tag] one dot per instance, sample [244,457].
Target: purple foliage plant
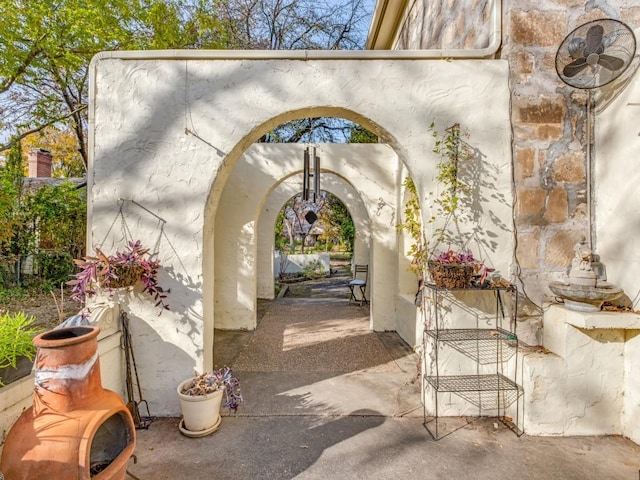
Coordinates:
[124,268]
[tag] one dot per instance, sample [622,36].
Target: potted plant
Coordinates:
[16,346]
[123,269]
[201,398]
[452,269]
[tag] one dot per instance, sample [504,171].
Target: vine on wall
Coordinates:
[448,200]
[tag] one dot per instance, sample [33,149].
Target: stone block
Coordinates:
[524,164]
[570,3]
[530,207]
[557,210]
[542,111]
[527,251]
[524,64]
[569,167]
[549,132]
[559,249]
[631,15]
[538,28]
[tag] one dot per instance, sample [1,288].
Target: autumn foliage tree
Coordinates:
[46,46]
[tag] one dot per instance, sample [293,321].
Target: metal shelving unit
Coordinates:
[496,344]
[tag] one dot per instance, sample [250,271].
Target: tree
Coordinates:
[300,25]
[11,181]
[46,225]
[46,48]
[339,220]
[297,24]
[331,214]
[63,146]
[359,134]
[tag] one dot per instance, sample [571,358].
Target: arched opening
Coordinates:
[246,221]
[366,177]
[308,236]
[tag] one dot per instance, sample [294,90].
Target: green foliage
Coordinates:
[46,225]
[60,215]
[412,224]
[63,145]
[55,268]
[338,221]
[16,338]
[452,150]
[47,45]
[360,134]
[313,269]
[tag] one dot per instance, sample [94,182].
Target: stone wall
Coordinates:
[548,117]
[446,24]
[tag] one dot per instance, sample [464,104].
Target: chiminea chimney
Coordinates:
[39,163]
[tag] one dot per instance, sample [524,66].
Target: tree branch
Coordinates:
[16,138]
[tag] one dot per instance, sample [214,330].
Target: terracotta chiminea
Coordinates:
[75,429]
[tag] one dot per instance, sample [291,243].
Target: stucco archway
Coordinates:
[331,183]
[373,170]
[167,129]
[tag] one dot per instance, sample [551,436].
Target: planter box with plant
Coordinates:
[16,346]
[452,269]
[102,273]
[201,398]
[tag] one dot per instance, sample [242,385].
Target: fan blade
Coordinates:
[574,67]
[610,63]
[594,40]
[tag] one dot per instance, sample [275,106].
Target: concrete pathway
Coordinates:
[328,399]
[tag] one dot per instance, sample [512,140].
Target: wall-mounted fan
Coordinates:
[591,56]
[595,54]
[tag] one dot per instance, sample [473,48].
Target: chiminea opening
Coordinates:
[64,333]
[109,441]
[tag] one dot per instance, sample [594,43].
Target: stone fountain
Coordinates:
[585,290]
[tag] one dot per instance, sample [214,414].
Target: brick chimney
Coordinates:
[39,163]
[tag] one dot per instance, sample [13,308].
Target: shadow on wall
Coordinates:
[479,188]
[158,379]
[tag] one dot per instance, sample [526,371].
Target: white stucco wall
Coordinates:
[167,129]
[586,383]
[617,203]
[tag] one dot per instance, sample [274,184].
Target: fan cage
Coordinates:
[618,41]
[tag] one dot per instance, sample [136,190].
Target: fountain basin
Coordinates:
[584,298]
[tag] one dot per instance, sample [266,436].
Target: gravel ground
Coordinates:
[43,307]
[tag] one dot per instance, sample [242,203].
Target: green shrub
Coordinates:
[313,269]
[16,338]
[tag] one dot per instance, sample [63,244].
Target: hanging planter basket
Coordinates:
[127,275]
[446,275]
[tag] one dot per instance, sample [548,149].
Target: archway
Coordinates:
[371,192]
[331,183]
[178,122]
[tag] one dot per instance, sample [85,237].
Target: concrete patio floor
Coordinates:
[325,398]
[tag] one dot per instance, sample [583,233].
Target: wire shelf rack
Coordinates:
[484,346]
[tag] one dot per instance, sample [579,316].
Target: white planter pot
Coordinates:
[200,413]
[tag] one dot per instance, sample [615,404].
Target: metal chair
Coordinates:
[359,281]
